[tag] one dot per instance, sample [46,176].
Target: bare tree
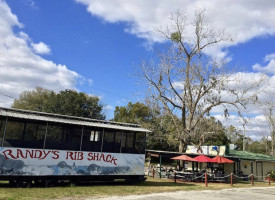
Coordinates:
[188,83]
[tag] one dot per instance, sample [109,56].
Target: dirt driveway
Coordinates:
[255,193]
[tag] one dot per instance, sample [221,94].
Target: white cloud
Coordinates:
[269,68]
[243,81]
[256,128]
[31,3]
[23,69]
[269,57]
[41,48]
[243,20]
[108,110]
[90,82]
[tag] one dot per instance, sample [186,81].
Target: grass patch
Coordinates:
[117,188]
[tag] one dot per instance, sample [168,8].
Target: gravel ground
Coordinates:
[254,193]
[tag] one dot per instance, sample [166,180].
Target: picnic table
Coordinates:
[181,175]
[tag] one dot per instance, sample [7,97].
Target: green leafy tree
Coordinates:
[38,99]
[133,113]
[235,136]
[162,136]
[163,130]
[213,131]
[163,133]
[67,102]
[262,146]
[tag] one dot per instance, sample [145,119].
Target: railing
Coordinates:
[193,177]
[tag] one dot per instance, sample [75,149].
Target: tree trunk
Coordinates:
[183,121]
[272,143]
[181,147]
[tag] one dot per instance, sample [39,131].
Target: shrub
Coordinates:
[271,173]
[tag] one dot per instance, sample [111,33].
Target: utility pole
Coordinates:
[244,134]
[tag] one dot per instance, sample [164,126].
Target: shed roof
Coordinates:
[232,154]
[65,119]
[245,155]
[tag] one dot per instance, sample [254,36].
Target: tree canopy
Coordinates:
[162,135]
[66,102]
[214,132]
[133,113]
[163,131]
[188,84]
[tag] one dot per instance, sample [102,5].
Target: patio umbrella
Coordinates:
[185,158]
[221,159]
[203,159]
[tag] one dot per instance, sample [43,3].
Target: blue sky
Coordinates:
[95,46]
[99,51]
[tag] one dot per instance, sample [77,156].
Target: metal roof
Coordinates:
[233,154]
[65,119]
[245,155]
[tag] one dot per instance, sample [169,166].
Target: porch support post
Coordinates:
[159,165]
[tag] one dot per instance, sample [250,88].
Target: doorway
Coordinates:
[259,170]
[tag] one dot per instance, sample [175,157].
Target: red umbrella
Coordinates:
[185,158]
[203,158]
[221,159]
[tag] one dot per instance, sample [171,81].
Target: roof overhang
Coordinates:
[64,119]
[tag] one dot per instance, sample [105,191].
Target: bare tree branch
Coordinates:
[188,83]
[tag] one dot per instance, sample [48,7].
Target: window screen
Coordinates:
[140,142]
[108,141]
[34,135]
[54,136]
[2,127]
[92,139]
[117,142]
[71,138]
[14,133]
[128,143]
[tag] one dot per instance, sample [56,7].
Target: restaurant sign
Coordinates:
[207,150]
[20,161]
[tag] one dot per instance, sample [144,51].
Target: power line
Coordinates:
[7,95]
[5,104]
[29,66]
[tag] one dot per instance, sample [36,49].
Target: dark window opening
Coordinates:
[54,136]
[23,134]
[14,132]
[71,138]
[128,143]
[74,139]
[117,142]
[2,129]
[140,142]
[130,148]
[92,140]
[108,141]
[63,137]
[123,142]
[33,136]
